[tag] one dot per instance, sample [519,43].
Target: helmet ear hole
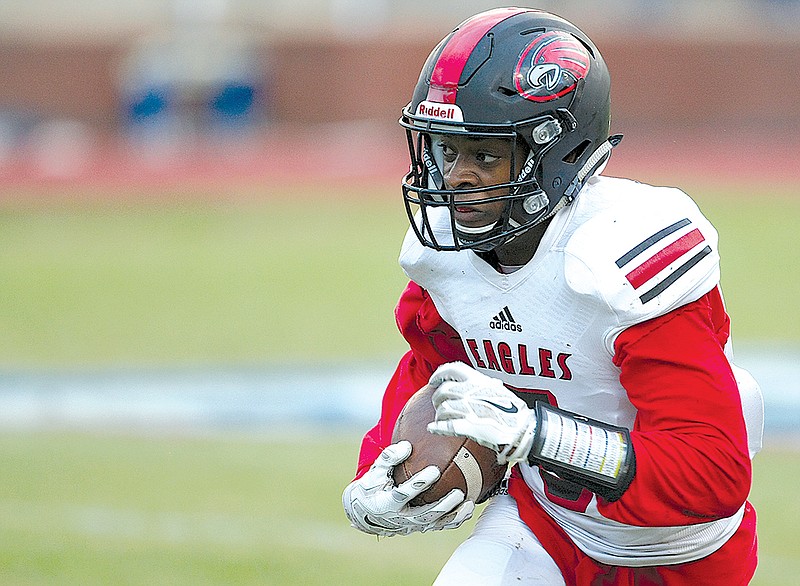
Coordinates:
[576,153]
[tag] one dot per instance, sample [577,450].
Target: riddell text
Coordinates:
[437,111]
[520,360]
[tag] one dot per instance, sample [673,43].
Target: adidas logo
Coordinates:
[505,321]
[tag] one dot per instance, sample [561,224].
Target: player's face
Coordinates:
[470,163]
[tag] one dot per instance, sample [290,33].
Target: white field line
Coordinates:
[197,400]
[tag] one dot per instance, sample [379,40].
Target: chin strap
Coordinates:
[591,165]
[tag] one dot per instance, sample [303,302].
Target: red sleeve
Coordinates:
[433,342]
[689,437]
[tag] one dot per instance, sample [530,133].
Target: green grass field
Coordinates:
[251,278]
[279,276]
[104,509]
[188,281]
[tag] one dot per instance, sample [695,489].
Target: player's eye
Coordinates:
[448,152]
[487,158]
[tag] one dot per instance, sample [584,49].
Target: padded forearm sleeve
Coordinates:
[593,454]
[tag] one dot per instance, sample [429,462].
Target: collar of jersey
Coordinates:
[508,281]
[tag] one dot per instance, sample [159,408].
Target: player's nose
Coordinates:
[460,174]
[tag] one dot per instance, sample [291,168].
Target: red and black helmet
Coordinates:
[516,73]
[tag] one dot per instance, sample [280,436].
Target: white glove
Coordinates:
[471,404]
[375,505]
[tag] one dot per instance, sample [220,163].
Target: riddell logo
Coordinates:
[505,321]
[440,111]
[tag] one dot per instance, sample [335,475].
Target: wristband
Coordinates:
[596,455]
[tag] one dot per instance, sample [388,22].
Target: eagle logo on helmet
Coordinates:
[551,66]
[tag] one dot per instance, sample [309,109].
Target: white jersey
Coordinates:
[621,254]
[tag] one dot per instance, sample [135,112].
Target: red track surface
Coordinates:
[365,154]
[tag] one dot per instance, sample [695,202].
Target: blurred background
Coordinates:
[200,217]
[97,91]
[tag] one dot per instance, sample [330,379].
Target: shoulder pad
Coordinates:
[646,251]
[425,265]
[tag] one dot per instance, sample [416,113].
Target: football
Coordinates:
[464,464]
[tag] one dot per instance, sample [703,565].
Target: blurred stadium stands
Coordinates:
[92,87]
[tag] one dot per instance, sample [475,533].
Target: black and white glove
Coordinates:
[470,404]
[374,504]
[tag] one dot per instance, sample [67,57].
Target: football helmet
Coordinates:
[519,74]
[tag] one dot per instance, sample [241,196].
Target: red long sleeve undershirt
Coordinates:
[689,437]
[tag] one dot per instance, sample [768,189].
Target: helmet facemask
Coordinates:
[425,192]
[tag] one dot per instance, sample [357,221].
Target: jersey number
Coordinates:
[562,492]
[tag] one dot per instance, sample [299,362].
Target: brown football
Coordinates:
[464,464]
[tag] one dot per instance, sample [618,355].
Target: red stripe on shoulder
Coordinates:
[660,260]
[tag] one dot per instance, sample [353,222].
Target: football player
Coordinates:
[572,322]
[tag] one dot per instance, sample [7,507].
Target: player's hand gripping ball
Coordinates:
[464,464]
[375,504]
[470,404]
